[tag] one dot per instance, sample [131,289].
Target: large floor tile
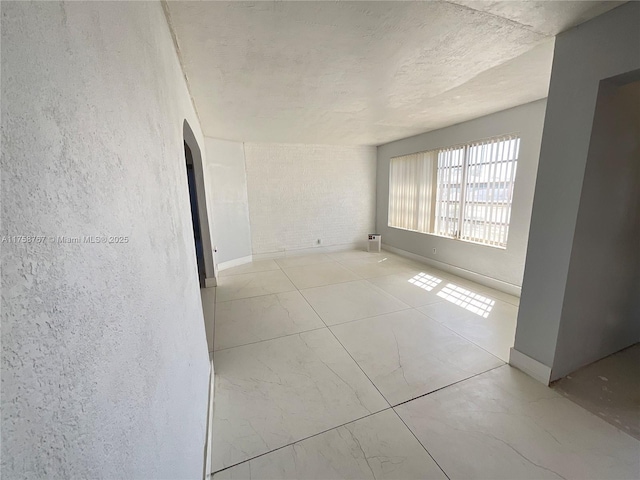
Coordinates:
[353,255]
[350,301]
[490,324]
[300,260]
[376,447]
[248,320]
[413,288]
[406,354]
[251,267]
[504,425]
[276,392]
[371,268]
[252,285]
[326,273]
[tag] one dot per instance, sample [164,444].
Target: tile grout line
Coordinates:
[421,444]
[386,400]
[381,394]
[450,278]
[319,433]
[329,429]
[447,275]
[368,280]
[256,296]
[460,335]
[420,396]
[392,407]
[291,281]
[321,319]
[247,273]
[330,327]
[362,418]
[408,307]
[302,440]
[344,348]
[270,339]
[449,385]
[425,395]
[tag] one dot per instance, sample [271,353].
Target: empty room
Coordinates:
[320,239]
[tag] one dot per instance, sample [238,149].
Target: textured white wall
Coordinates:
[505,265]
[301,193]
[227,194]
[104,359]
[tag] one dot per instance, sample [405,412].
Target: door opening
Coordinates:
[195,214]
[205,261]
[199,216]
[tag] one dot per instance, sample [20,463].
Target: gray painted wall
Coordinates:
[506,265]
[227,193]
[604,47]
[598,315]
[104,359]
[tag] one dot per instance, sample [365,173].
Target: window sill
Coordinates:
[499,247]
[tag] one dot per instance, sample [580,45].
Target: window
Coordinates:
[462,192]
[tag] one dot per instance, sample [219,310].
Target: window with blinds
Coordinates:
[462,192]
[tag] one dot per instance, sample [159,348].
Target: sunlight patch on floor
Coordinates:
[425,281]
[471,301]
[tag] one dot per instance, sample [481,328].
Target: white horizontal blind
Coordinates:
[450,172]
[488,190]
[412,190]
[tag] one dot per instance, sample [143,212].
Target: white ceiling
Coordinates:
[364,73]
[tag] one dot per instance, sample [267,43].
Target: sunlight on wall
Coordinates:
[473,302]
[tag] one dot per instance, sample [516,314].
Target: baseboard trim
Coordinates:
[208,460]
[530,366]
[236,262]
[490,282]
[310,250]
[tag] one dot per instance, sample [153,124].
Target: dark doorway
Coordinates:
[195,214]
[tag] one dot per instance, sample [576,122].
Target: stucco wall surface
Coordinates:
[301,193]
[104,358]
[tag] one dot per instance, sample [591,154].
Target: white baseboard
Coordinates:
[208,460]
[490,282]
[531,367]
[306,251]
[236,262]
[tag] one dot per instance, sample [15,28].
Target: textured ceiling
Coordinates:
[364,73]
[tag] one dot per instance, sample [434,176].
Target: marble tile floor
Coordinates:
[361,365]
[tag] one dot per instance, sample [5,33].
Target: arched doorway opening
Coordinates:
[199,215]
